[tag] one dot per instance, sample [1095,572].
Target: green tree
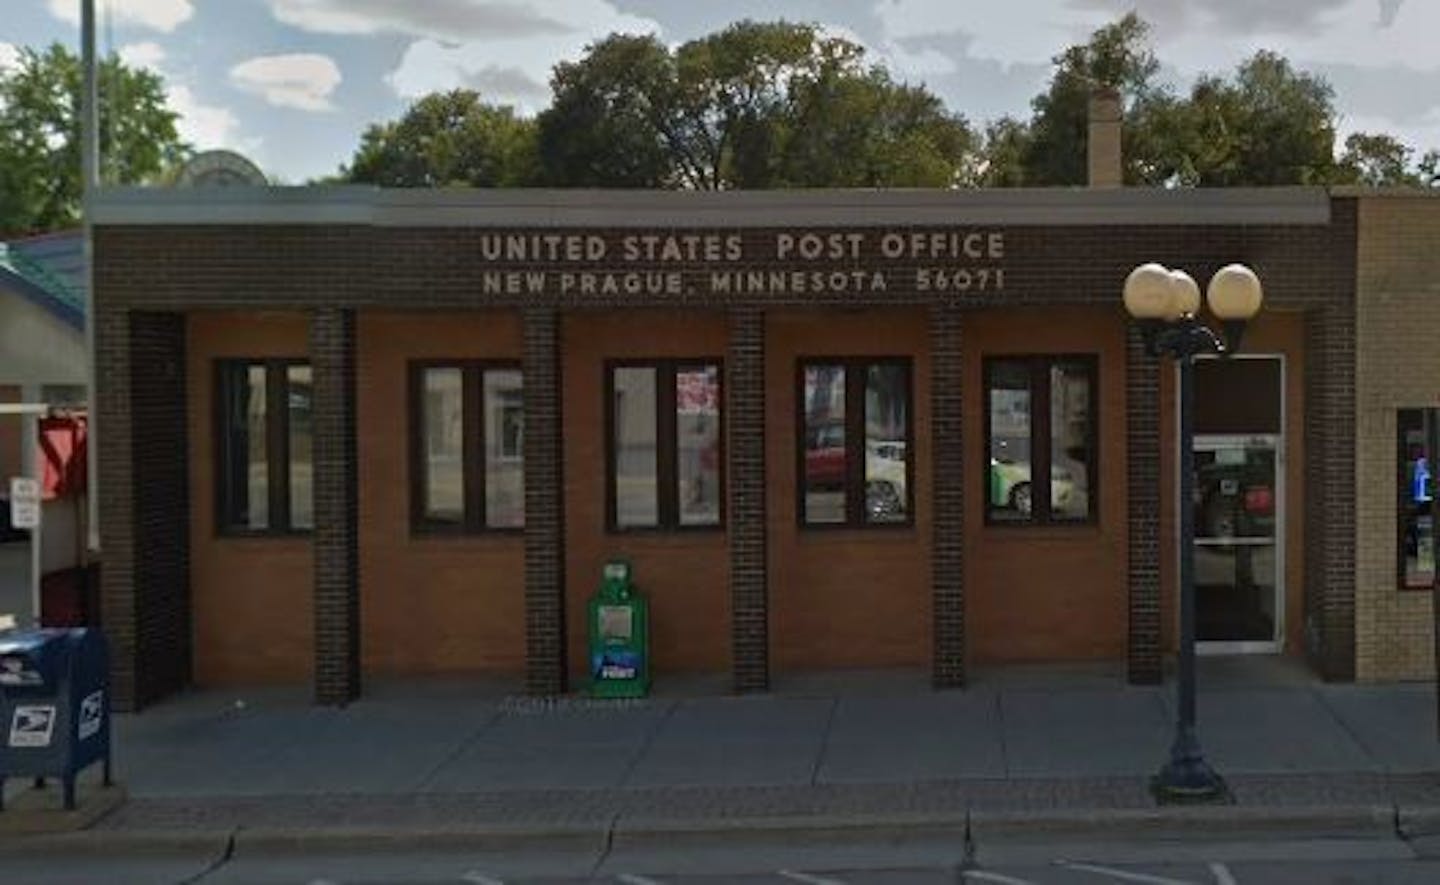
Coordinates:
[756,105]
[1382,161]
[1053,146]
[40,186]
[609,123]
[448,139]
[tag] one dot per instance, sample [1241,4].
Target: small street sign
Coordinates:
[24,502]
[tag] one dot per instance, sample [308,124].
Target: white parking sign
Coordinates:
[24,502]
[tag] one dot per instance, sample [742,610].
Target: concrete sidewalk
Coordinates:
[1019,745]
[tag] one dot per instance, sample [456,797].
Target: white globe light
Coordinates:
[1235,293]
[1149,293]
[1187,293]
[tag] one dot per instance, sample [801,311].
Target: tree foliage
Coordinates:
[1266,124]
[753,106]
[448,139]
[40,186]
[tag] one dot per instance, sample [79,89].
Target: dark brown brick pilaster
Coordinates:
[544,506]
[749,588]
[144,503]
[336,489]
[1142,456]
[947,441]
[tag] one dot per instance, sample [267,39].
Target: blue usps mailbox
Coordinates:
[54,706]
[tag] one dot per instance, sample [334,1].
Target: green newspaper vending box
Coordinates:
[619,622]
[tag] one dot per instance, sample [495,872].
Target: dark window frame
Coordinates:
[856,375]
[472,446]
[667,454]
[277,445]
[1430,427]
[1039,365]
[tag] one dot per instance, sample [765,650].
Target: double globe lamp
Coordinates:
[1166,304]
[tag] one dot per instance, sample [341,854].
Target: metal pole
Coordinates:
[1186,725]
[1187,775]
[89,180]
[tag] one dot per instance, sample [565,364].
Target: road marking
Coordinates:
[630,879]
[809,879]
[997,878]
[1122,875]
[475,877]
[1222,874]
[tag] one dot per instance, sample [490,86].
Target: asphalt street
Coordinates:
[859,862]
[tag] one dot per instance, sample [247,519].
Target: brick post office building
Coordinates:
[353,433]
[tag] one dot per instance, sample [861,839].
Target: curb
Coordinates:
[1198,823]
[1138,823]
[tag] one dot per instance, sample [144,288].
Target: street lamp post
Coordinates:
[1166,303]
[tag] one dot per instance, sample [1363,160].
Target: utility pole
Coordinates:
[89,180]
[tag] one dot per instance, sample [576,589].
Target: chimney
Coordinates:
[1104,141]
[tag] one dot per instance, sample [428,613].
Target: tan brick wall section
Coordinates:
[428,604]
[252,598]
[1398,288]
[845,597]
[684,575]
[1054,593]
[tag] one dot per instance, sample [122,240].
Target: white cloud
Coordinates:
[303,81]
[142,55]
[9,56]
[439,19]
[157,15]
[205,126]
[510,64]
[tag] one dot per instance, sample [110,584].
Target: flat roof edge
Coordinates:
[361,205]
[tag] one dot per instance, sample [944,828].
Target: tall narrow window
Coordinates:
[467,446]
[264,459]
[663,423]
[1040,422]
[1416,432]
[855,460]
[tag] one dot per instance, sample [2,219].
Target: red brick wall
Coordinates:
[428,604]
[685,575]
[1047,593]
[845,597]
[252,598]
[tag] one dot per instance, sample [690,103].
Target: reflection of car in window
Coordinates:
[825,456]
[1010,487]
[885,478]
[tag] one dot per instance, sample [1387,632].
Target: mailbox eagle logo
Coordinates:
[32,726]
[91,714]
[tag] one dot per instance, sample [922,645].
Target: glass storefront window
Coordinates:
[887,431]
[468,447]
[1416,432]
[855,459]
[265,446]
[443,448]
[504,450]
[1040,420]
[823,491]
[665,423]
[302,462]
[1010,497]
[637,467]
[697,443]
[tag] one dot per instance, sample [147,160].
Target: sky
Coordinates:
[293,83]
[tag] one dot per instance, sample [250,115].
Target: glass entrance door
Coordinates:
[1238,512]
